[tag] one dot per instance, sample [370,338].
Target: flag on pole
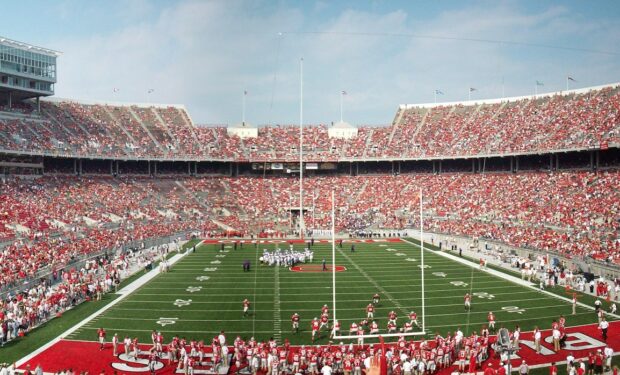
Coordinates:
[571,79]
[472,89]
[151,90]
[115,90]
[245,92]
[539,83]
[438,92]
[344,92]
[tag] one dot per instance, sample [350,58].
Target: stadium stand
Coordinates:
[558,122]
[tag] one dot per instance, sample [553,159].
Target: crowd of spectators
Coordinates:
[25,309]
[542,124]
[49,221]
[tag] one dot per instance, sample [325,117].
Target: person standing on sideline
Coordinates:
[604,325]
[324,265]
[574,303]
[537,337]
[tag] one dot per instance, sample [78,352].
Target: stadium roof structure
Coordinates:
[29,47]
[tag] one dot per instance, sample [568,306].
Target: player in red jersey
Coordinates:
[246,307]
[295,322]
[462,360]
[101,335]
[491,320]
[391,327]
[407,327]
[134,346]
[324,310]
[374,328]
[159,342]
[413,319]
[392,317]
[370,311]
[315,328]
[324,321]
[562,321]
[353,329]
[467,299]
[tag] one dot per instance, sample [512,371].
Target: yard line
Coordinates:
[276,303]
[372,281]
[254,300]
[515,280]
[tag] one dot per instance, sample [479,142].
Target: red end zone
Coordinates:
[316,268]
[86,356]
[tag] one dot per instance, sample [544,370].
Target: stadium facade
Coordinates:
[26,71]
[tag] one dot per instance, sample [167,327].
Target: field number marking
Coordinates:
[182,302]
[166,321]
[513,309]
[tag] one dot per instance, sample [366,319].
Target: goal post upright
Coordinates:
[334,254]
[422,263]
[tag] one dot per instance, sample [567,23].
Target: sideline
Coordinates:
[506,277]
[123,293]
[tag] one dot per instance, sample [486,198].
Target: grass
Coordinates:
[16,349]
[276,293]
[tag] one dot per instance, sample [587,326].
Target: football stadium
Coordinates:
[473,232]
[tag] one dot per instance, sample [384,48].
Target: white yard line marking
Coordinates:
[374,283]
[510,278]
[277,315]
[254,298]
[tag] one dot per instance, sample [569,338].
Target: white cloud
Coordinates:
[205,53]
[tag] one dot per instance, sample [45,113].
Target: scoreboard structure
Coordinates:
[26,71]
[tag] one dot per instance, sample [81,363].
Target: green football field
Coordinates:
[203,293]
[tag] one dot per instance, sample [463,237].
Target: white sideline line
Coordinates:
[126,291]
[510,278]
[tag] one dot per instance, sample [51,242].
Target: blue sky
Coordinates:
[204,54]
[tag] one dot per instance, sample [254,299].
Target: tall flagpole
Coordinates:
[301,148]
[469,93]
[422,263]
[435,96]
[566,83]
[334,254]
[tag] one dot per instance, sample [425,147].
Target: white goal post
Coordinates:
[422,330]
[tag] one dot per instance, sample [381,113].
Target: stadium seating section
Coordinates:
[560,122]
[49,220]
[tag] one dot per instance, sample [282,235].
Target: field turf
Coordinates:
[203,293]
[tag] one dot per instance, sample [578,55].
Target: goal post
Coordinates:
[383,334]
